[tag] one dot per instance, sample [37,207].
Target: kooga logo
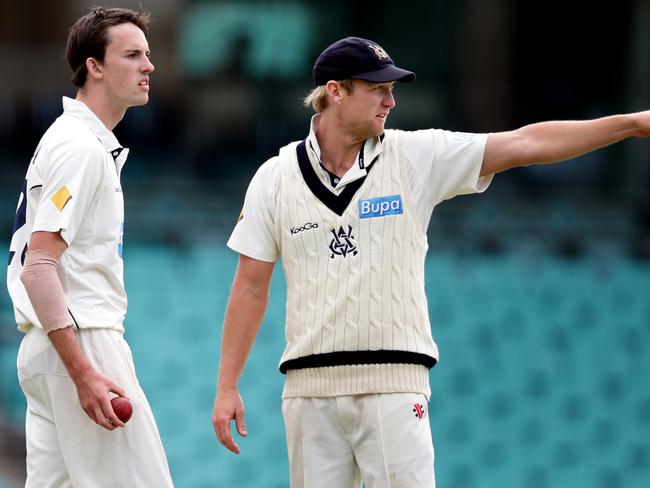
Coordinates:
[379,207]
[307,226]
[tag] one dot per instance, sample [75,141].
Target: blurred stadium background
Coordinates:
[538,289]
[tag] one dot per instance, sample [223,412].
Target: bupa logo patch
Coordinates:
[380,207]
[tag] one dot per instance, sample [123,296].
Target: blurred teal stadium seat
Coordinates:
[277,38]
[12,402]
[542,379]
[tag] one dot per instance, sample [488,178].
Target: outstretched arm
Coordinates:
[249,298]
[549,142]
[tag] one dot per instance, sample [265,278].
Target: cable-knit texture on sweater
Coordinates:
[355,283]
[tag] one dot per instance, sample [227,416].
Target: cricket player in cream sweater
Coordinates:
[347,210]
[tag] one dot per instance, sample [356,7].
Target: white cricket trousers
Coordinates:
[382,440]
[65,448]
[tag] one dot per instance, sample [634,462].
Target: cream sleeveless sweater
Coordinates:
[356,316]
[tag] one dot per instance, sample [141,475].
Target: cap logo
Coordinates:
[381,54]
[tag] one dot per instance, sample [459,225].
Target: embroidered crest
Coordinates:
[343,242]
[381,54]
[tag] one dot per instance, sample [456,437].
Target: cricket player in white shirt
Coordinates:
[347,211]
[65,274]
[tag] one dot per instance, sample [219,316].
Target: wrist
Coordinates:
[225,386]
[78,369]
[67,347]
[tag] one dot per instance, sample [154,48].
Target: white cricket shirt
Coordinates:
[73,186]
[440,165]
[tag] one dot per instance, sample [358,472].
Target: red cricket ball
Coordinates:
[122,408]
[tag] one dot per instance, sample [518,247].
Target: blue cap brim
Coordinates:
[386,74]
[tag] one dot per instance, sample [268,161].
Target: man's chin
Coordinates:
[368,130]
[139,101]
[378,128]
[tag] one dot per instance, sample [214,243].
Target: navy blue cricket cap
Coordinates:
[357,58]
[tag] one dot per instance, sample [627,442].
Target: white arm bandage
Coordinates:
[44,290]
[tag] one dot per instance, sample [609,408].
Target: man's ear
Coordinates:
[95,68]
[335,91]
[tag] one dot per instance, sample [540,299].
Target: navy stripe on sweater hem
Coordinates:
[350,358]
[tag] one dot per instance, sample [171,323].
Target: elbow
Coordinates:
[29,273]
[258,293]
[37,264]
[251,289]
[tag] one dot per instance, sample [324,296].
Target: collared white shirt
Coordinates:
[441,165]
[73,186]
[371,149]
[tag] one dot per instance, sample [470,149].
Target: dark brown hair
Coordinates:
[88,37]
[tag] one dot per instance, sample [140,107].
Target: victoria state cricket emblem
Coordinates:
[343,242]
[381,54]
[419,411]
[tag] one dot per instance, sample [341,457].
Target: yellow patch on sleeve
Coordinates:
[61,198]
[241,215]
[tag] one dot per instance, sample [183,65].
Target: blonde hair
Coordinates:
[317,98]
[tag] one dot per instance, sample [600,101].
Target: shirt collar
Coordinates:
[371,149]
[80,110]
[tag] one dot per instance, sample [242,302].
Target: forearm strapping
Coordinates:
[44,290]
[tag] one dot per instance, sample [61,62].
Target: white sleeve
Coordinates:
[254,235]
[70,180]
[442,165]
